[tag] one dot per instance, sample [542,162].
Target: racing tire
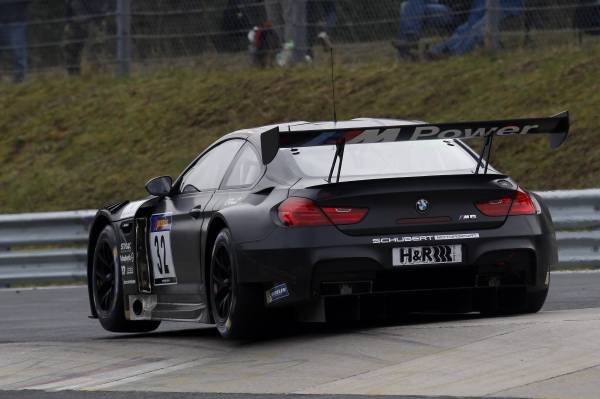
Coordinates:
[237,309]
[107,292]
[536,300]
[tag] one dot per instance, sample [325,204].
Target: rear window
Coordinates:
[386,159]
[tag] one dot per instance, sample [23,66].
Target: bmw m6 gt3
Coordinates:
[354,219]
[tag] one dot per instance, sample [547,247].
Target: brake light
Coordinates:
[497,207]
[521,205]
[296,212]
[345,215]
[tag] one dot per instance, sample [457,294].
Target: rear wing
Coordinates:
[556,127]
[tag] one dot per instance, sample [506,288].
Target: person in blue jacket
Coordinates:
[13,34]
[471,34]
[413,16]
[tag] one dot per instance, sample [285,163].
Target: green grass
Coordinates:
[78,143]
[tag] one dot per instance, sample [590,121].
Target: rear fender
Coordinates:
[549,230]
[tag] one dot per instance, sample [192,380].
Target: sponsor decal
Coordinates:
[160,223]
[403,256]
[160,249]
[375,136]
[232,201]
[433,131]
[126,270]
[442,237]
[430,132]
[126,258]
[456,236]
[277,293]
[131,208]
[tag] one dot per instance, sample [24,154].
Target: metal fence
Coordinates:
[123,34]
[23,257]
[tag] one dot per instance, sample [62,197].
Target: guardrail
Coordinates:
[22,236]
[576,215]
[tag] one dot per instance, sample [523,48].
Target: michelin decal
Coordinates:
[277,293]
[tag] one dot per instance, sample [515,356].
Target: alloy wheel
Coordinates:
[104,272]
[221,282]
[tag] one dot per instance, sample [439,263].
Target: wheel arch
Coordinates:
[101,220]
[217,223]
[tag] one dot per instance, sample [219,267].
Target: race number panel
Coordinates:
[160,249]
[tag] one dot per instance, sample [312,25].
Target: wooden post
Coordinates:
[123,37]
[492,25]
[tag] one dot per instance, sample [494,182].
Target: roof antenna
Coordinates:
[333,86]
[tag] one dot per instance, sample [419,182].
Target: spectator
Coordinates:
[83,18]
[264,44]
[291,14]
[322,18]
[13,34]
[471,34]
[413,15]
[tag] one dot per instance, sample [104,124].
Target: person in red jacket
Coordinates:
[290,23]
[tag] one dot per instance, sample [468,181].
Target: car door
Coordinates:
[174,235]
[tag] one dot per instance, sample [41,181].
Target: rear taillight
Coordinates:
[345,215]
[296,212]
[497,207]
[521,205]
[301,212]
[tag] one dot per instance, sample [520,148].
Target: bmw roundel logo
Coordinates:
[422,205]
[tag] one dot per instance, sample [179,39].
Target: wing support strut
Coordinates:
[340,146]
[486,153]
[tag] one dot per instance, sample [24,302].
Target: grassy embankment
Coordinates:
[77,143]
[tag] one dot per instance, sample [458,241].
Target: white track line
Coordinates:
[49,287]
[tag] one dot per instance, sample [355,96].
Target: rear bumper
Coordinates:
[323,262]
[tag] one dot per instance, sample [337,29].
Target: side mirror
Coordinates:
[160,186]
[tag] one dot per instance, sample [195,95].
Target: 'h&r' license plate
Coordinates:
[438,254]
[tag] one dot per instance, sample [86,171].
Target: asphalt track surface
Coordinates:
[50,347]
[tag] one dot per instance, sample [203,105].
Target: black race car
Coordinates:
[355,219]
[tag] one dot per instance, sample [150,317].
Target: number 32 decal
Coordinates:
[162,263]
[160,244]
